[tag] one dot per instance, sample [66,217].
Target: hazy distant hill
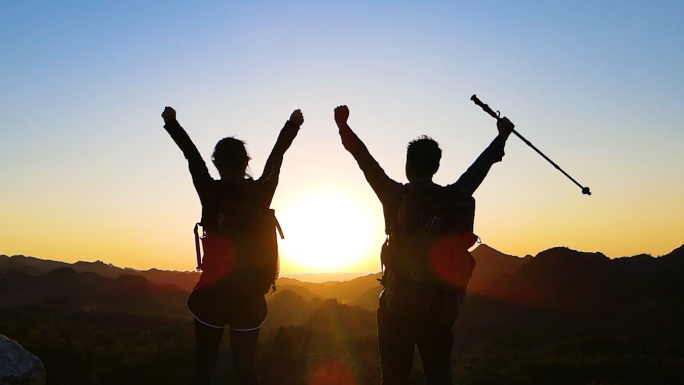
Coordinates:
[323,277]
[493,265]
[350,291]
[29,265]
[302,291]
[565,279]
[342,319]
[571,281]
[317,289]
[363,291]
[63,287]
[287,308]
[558,278]
[369,299]
[185,280]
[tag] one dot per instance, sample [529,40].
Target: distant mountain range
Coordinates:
[558,279]
[323,277]
[185,280]
[561,317]
[64,287]
[575,282]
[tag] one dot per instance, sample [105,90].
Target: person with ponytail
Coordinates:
[239,264]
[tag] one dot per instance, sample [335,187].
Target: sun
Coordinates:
[329,231]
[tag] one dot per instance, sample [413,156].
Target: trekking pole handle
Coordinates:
[496,115]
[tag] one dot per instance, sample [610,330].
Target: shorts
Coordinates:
[217,307]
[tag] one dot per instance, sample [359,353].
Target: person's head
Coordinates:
[422,158]
[230,157]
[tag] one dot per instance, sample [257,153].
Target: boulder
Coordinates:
[17,366]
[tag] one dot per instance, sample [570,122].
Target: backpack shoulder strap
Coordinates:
[276,223]
[197,246]
[391,213]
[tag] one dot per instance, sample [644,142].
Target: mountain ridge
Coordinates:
[563,316]
[155,275]
[558,278]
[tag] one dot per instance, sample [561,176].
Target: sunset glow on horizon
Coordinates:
[88,173]
[329,231]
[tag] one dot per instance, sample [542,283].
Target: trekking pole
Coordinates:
[497,115]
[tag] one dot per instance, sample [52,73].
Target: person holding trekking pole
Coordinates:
[240,261]
[425,257]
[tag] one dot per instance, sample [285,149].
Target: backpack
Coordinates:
[240,247]
[426,261]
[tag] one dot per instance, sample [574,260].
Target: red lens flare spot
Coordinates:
[332,373]
[218,259]
[450,261]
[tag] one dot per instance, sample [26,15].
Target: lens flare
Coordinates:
[332,373]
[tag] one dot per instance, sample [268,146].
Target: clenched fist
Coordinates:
[297,118]
[505,127]
[341,115]
[169,114]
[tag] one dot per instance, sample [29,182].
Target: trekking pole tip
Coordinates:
[585,191]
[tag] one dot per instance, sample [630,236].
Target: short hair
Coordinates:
[424,154]
[230,156]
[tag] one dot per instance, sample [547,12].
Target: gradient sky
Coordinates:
[87,171]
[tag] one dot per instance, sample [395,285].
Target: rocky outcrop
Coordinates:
[17,366]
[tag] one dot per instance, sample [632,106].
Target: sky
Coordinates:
[88,173]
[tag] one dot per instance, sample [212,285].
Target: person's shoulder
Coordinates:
[455,192]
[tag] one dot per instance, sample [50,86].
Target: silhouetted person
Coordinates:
[426,258]
[240,249]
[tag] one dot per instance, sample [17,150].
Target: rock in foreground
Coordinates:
[17,366]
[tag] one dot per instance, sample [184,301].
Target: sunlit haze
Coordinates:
[88,173]
[329,230]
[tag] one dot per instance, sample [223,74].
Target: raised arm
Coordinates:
[198,169]
[382,184]
[473,177]
[288,133]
